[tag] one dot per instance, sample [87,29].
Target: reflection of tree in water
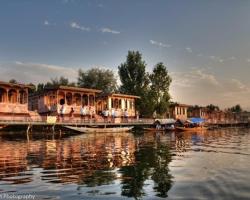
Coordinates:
[99,178]
[151,162]
[161,175]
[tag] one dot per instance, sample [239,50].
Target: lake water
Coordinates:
[208,165]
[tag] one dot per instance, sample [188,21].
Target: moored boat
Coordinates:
[100,130]
[199,128]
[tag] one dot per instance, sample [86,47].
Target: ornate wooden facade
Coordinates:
[52,99]
[13,98]
[118,102]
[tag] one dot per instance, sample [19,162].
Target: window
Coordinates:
[85,101]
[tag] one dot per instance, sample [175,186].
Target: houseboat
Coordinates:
[13,101]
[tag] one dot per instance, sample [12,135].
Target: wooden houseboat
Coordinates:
[13,101]
[178,111]
[52,100]
[118,103]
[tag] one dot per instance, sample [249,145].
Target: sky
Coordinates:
[205,44]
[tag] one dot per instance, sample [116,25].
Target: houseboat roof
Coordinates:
[120,95]
[18,85]
[75,89]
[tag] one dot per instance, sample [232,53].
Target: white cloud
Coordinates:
[217,59]
[100,5]
[75,25]
[213,57]
[239,85]
[194,78]
[232,58]
[108,30]
[159,44]
[221,60]
[197,86]
[35,72]
[248,60]
[188,49]
[46,23]
[67,1]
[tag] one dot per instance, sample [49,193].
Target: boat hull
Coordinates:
[100,130]
[191,129]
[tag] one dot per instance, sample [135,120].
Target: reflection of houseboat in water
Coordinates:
[68,160]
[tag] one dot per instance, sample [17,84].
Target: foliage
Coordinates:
[95,78]
[135,81]
[61,81]
[152,88]
[160,82]
[133,76]
[13,81]
[237,108]
[32,88]
[54,83]
[212,108]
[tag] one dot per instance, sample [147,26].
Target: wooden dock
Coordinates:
[29,125]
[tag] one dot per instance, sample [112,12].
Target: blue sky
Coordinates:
[204,43]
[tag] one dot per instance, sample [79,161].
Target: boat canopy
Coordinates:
[197,120]
[165,121]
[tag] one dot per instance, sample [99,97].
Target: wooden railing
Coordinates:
[67,120]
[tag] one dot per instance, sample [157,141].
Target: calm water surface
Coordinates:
[208,165]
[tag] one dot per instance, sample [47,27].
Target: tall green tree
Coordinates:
[95,78]
[237,108]
[135,81]
[160,83]
[133,76]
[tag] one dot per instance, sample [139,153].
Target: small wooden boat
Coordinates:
[100,130]
[200,128]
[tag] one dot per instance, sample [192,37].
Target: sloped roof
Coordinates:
[19,85]
[165,121]
[77,89]
[120,95]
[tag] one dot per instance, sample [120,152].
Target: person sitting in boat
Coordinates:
[158,126]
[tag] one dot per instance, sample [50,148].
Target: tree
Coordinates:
[133,76]
[12,81]
[212,108]
[32,88]
[135,81]
[160,82]
[102,79]
[237,108]
[40,87]
[61,81]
